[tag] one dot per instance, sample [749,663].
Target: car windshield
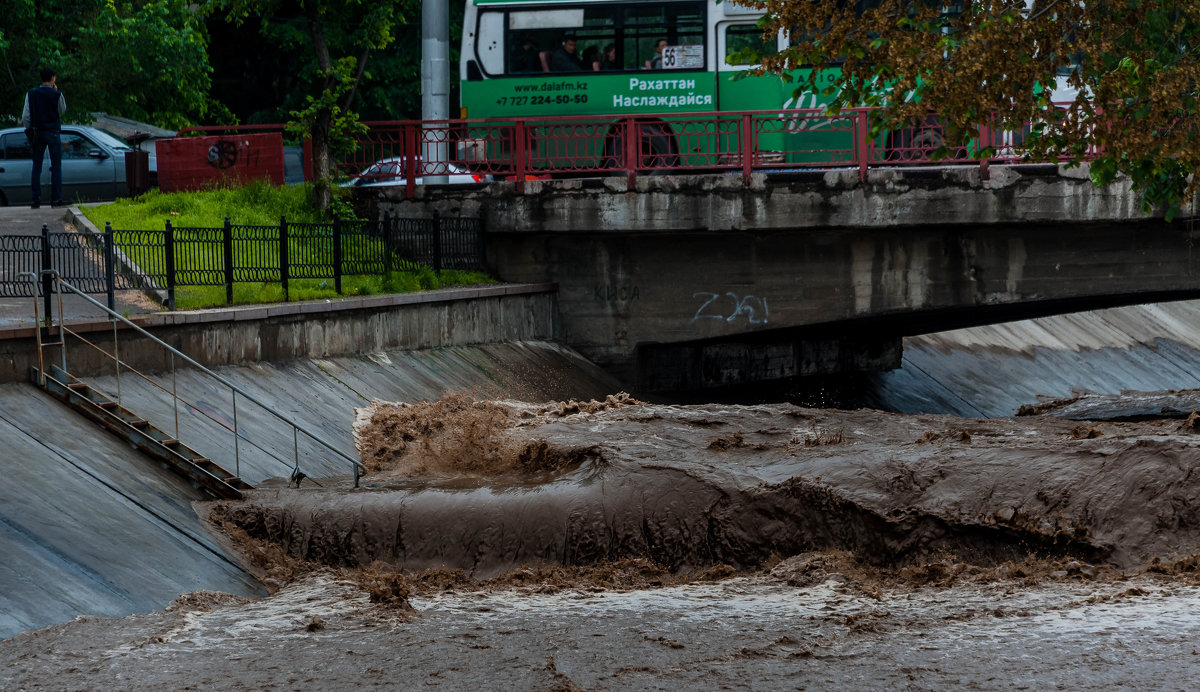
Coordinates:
[108,140]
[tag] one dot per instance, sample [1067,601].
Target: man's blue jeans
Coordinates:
[43,142]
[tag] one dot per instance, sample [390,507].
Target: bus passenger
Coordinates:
[609,62]
[591,59]
[564,59]
[656,61]
[526,59]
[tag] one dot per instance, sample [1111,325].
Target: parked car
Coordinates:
[93,166]
[391,172]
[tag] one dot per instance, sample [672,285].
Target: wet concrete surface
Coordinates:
[994,370]
[19,311]
[89,526]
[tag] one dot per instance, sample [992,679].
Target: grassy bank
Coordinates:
[254,204]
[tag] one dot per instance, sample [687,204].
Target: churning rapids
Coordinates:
[619,544]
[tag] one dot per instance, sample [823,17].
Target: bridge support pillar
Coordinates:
[692,366]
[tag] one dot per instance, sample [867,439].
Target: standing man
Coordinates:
[42,119]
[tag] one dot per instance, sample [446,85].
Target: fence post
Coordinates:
[632,148]
[520,149]
[337,255]
[389,242]
[47,281]
[170,258]
[283,256]
[862,144]
[480,244]
[747,147]
[437,243]
[227,241]
[110,274]
[409,138]
[985,141]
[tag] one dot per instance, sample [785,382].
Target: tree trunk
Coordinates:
[323,187]
[323,190]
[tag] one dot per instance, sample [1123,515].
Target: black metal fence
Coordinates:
[193,256]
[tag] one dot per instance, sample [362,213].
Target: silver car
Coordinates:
[390,172]
[93,166]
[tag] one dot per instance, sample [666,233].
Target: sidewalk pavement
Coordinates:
[17,312]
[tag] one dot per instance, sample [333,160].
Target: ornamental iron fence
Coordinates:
[102,263]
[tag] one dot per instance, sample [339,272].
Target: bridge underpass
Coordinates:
[691,282]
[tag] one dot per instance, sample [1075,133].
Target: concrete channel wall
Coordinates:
[344,327]
[89,526]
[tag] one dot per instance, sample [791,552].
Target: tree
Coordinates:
[341,34]
[146,60]
[1135,68]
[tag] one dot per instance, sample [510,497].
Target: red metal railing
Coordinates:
[742,142]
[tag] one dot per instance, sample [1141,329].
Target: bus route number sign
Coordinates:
[683,58]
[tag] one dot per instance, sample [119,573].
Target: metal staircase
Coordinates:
[167,449]
[204,473]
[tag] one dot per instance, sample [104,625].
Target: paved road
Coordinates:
[18,311]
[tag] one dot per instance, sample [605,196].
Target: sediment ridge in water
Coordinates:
[489,486]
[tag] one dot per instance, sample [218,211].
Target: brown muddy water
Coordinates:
[623,545]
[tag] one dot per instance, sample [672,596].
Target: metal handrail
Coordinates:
[60,283]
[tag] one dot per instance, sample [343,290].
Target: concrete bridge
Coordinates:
[681,282]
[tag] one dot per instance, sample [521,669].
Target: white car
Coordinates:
[389,172]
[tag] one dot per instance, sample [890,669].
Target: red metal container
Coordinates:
[193,163]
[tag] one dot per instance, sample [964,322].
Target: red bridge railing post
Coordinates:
[521,146]
[410,145]
[633,147]
[862,144]
[985,141]
[747,147]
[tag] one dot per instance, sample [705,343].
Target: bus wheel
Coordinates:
[915,143]
[658,147]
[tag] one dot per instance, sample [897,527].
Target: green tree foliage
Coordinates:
[341,37]
[141,59]
[264,72]
[1134,69]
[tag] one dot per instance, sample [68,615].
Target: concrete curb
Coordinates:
[262,312]
[84,225]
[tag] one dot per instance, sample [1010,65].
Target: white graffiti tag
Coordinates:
[753,308]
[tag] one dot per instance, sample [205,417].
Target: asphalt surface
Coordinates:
[18,311]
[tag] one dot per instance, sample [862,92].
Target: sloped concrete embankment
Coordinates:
[89,526]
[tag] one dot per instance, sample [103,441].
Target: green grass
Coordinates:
[256,204]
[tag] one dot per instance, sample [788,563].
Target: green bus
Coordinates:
[534,59]
[546,59]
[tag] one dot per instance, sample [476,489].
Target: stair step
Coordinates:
[202,472]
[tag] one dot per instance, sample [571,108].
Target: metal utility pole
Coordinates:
[435,88]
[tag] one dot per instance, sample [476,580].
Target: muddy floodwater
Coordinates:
[740,633]
[624,545]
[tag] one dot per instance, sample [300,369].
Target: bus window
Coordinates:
[609,36]
[745,47]
[680,25]
[536,36]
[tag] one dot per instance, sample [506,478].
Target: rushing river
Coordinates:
[626,545]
